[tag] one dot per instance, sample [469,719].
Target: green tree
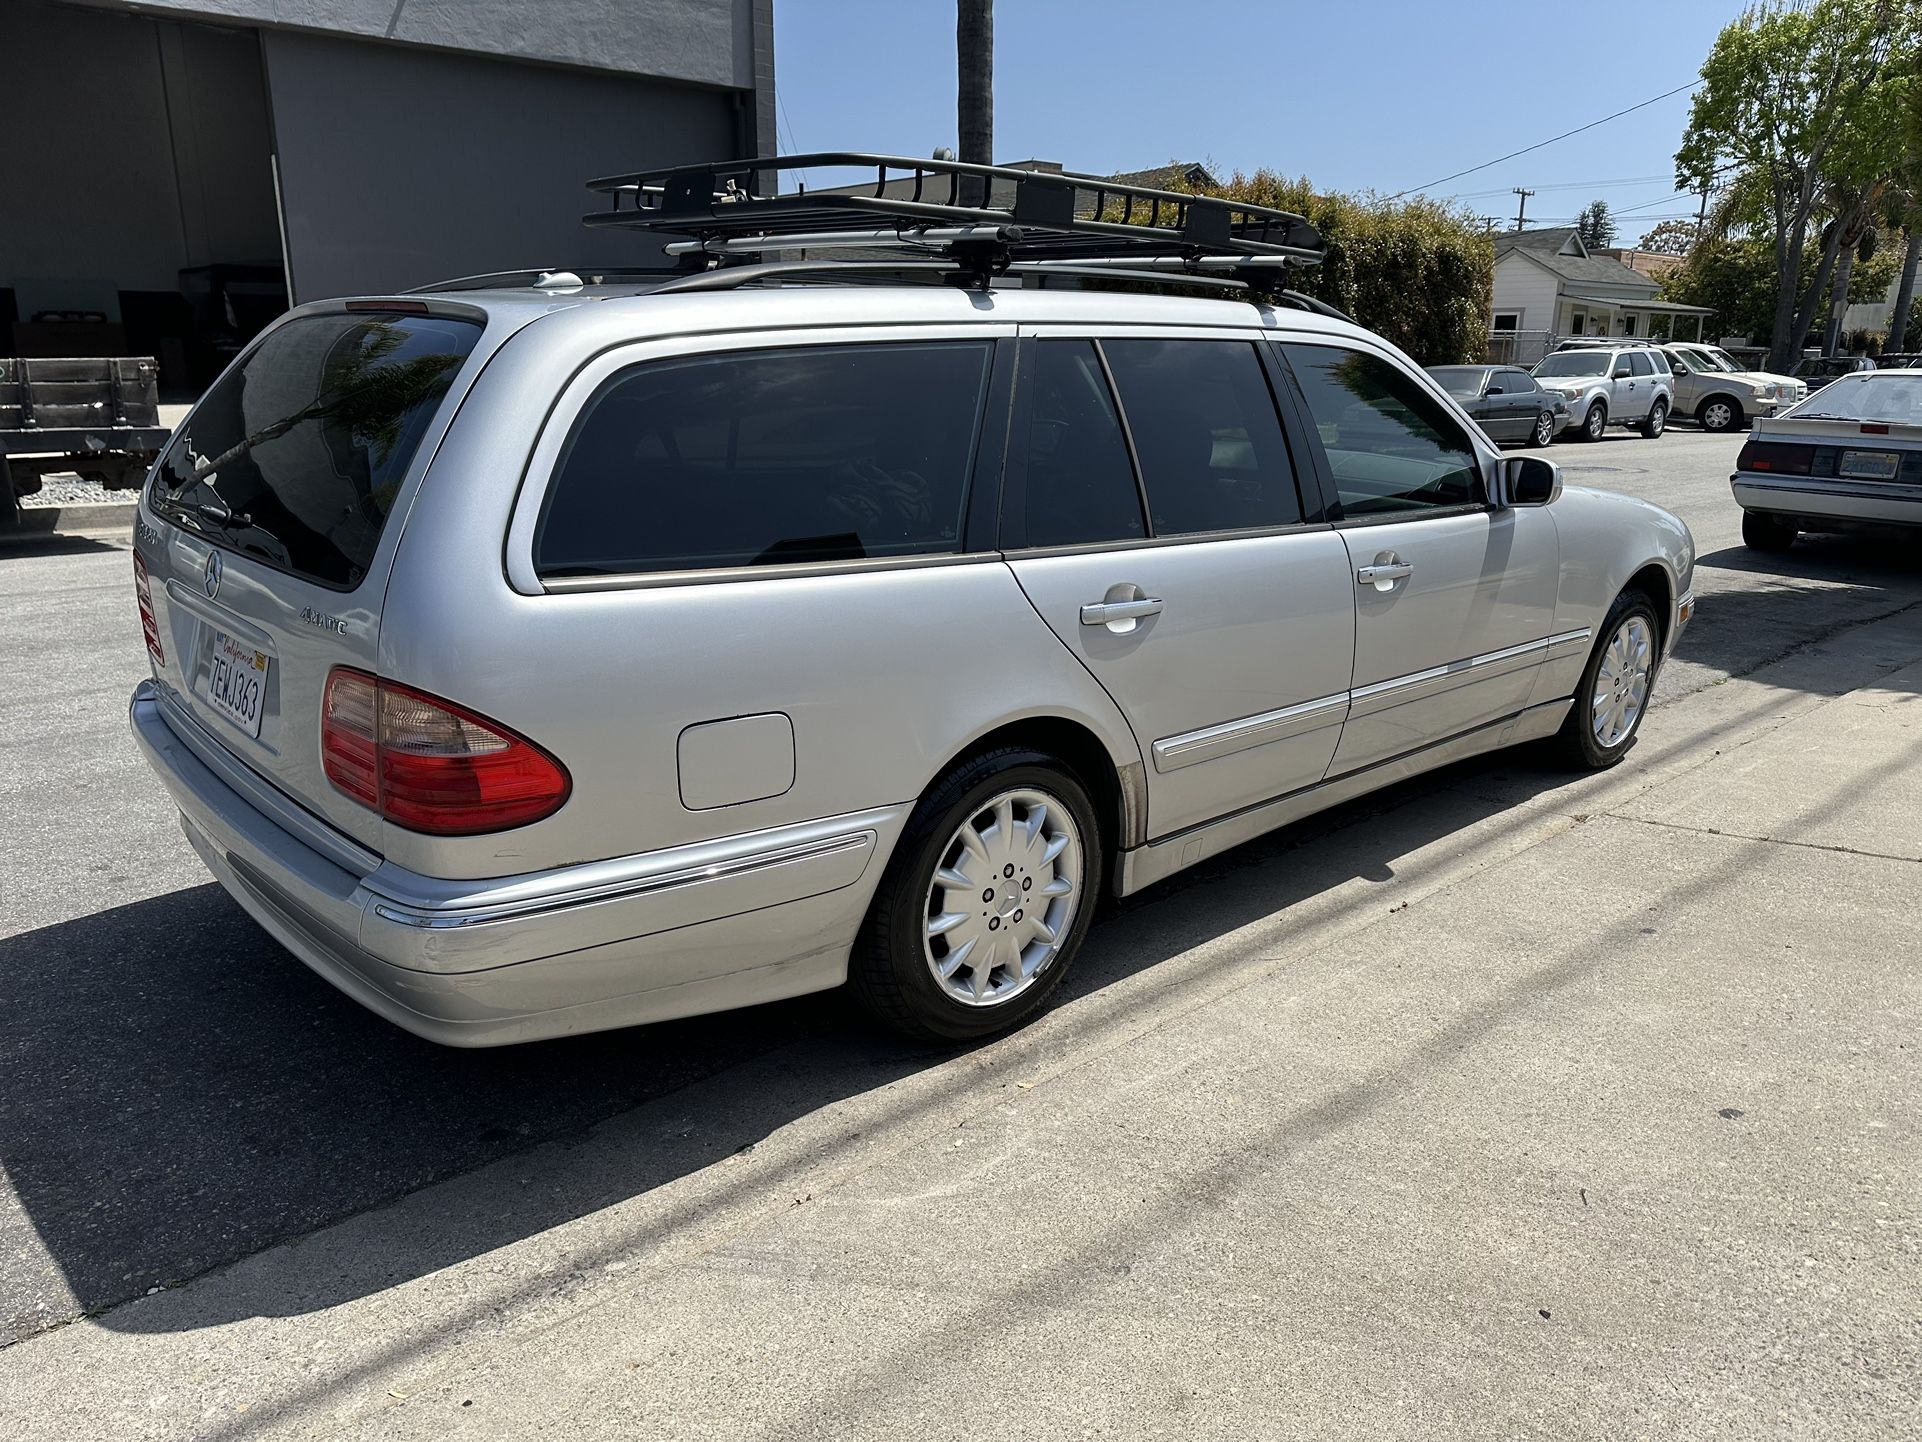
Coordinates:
[1416,271]
[1733,277]
[1595,225]
[1797,100]
[1671,237]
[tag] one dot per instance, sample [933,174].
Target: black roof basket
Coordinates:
[938,208]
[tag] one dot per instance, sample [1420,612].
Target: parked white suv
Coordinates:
[545,656]
[1611,385]
[1719,394]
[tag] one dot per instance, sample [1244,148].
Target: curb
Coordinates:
[38,521]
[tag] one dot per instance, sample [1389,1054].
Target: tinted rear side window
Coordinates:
[295,456]
[1206,434]
[768,457]
[1080,482]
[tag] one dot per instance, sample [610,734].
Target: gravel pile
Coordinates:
[60,490]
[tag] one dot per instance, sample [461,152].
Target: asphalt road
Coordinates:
[177,1093]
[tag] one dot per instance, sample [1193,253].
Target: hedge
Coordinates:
[1415,271]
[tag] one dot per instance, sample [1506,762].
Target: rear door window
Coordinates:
[755,458]
[1638,363]
[1080,485]
[296,455]
[1206,435]
[1392,450]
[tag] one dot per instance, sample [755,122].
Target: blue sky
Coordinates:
[1382,95]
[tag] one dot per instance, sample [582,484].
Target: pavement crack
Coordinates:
[1767,840]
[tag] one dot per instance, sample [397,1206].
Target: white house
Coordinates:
[1548,285]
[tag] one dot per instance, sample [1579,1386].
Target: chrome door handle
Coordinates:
[1382,575]
[1109,611]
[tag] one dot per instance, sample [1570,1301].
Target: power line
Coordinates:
[1642,105]
[1636,180]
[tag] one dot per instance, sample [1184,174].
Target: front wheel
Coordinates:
[1613,695]
[1657,420]
[1544,428]
[1764,532]
[985,901]
[1721,414]
[1595,422]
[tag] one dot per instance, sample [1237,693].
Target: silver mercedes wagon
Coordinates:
[551,656]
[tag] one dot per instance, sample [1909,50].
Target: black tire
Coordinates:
[1544,432]
[9,502]
[1719,414]
[1762,531]
[1595,422]
[1656,421]
[1576,744]
[888,969]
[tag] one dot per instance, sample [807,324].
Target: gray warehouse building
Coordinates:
[177,172]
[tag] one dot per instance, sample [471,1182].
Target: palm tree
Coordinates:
[974,53]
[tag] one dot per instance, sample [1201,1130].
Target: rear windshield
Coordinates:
[1576,363]
[296,454]
[1464,383]
[1891,397]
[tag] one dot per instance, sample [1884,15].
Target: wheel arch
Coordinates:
[1734,404]
[1117,787]
[1654,581]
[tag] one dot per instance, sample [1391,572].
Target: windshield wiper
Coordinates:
[221,515]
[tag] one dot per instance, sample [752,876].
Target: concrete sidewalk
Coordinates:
[1505,1106]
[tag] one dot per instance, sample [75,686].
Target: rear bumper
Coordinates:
[1830,500]
[697,928]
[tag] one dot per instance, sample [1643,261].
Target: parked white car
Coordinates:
[1850,455]
[1625,385]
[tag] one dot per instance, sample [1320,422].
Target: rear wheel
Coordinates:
[1544,428]
[1613,695]
[1764,532]
[985,901]
[1721,414]
[1656,421]
[1595,422]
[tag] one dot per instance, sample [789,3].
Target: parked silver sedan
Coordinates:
[537,660]
[1849,456]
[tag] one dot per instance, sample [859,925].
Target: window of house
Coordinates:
[1508,320]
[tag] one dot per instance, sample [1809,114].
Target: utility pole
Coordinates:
[974,89]
[1701,214]
[1521,211]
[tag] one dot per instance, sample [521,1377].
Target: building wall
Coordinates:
[118,186]
[703,42]
[1521,285]
[401,166]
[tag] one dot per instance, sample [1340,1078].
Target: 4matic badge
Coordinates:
[323,620]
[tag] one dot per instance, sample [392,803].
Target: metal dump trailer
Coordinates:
[97,416]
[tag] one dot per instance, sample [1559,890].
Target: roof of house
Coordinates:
[1169,177]
[1559,248]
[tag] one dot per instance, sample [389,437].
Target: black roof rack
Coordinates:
[938,208]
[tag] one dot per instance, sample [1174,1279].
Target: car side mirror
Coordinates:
[1624,374]
[1526,481]
[1493,391]
[1679,368]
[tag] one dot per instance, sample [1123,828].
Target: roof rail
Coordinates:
[987,217]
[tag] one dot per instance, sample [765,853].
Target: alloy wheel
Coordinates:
[1003,897]
[1717,416]
[1544,428]
[1621,682]
[1596,423]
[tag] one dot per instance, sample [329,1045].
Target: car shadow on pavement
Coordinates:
[178,1092]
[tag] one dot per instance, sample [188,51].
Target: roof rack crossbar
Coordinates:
[734,276]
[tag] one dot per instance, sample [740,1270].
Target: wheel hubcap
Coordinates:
[1003,898]
[1544,430]
[1718,418]
[1621,682]
[1595,423]
[1656,421]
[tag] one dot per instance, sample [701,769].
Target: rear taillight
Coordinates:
[430,765]
[150,627]
[1776,457]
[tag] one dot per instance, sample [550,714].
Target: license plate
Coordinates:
[1869,465]
[236,683]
